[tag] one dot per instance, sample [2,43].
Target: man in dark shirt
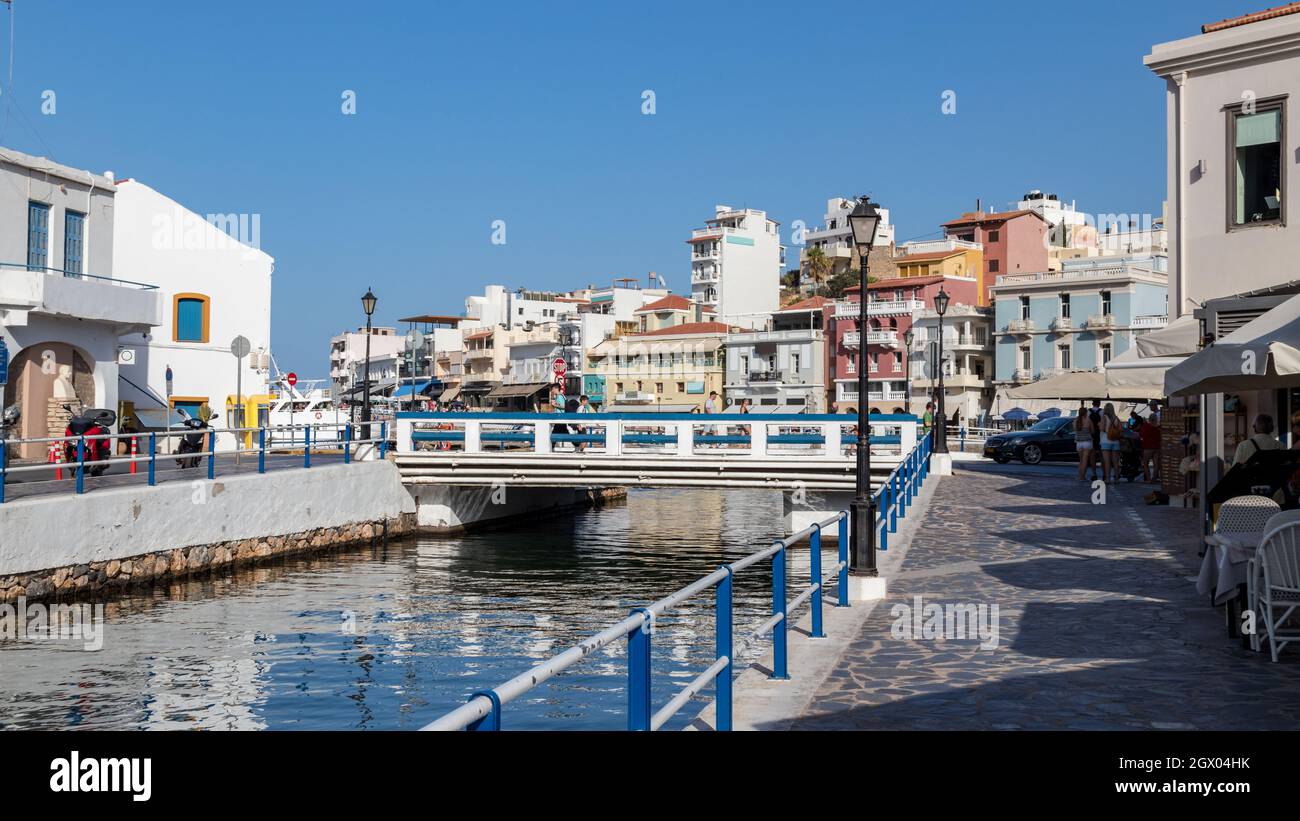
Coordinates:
[1095,415]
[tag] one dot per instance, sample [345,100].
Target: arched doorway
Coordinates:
[34,372]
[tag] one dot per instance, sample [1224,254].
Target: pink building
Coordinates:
[890,307]
[1015,242]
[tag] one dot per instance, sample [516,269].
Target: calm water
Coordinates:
[390,637]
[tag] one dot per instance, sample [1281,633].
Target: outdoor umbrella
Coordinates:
[1016,415]
[1262,354]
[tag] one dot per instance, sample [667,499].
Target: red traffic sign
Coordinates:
[292,379]
[559,367]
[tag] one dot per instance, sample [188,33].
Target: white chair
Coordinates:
[1276,579]
[1245,514]
[1252,586]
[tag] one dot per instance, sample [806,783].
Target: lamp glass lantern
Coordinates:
[368,302]
[865,221]
[941,302]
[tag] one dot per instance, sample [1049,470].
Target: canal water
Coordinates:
[393,635]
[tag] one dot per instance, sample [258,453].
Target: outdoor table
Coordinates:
[1226,564]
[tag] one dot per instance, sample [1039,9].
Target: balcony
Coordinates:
[848,310]
[1101,322]
[852,339]
[1022,375]
[886,396]
[479,353]
[1063,323]
[966,341]
[1020,326]
[767,376]
[636,396]
[127,307]
[710,275]
[1149,321]
[887,338]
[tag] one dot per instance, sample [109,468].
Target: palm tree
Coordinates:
[819,267]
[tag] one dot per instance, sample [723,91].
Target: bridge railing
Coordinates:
[681,434]
[72,459]
[483,710]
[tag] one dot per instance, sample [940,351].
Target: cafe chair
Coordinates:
[1252,587]
[1276,579]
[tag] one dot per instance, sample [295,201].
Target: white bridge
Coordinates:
[777,451]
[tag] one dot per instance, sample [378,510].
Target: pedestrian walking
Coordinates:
[1149,435]
[1112,437]
[1083,430]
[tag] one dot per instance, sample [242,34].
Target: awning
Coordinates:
[417,389]
[1260,355]
[1076,385]
[1003,403]
[1130,372]
[450,394]
[528,389]
[1182,337]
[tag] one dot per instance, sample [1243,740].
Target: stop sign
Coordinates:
[292,379]
[559,367]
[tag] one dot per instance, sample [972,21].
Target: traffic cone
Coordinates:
[135,451]
[58,459]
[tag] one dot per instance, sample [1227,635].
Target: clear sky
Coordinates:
[470,112]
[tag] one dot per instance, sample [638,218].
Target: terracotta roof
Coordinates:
[478,334]
[704,238]
[1254,17]
[690,328]
[672,302]
[898,282]
[812,303]
[976,217]
[903,259]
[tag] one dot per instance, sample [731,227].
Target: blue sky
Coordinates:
[531,113]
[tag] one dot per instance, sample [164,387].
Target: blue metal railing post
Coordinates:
[492,721]
[153,458]
[3,448]
[843,540]
[81,465]
[261,450]
[638,675]
[815,561]
[884,518]
[723,647]
[347,445]
[212,455]
[306,446]
[383,440]
[893,502]
[781,629]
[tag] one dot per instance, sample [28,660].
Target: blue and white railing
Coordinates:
[158,451]
[483,710]
[617,434]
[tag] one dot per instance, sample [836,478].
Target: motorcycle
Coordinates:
[195,441]
[90,422]
[8,420]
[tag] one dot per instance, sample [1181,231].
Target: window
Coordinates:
[1065,306]
[1105,303]
[189,404]
[853,362]
[190,316]
[873,362]
[898,361]
[1063,356]
[1104,353]
[795,362]
[993,236]
[38,236]
[1255,140]
[681,387]
[1025,361]
[1024,307]
[659,387]
[993,266]
[74,225]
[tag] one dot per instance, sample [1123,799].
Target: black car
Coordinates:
[1048,439]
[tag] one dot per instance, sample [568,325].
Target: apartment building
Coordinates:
[736,264]
[673,368]
[1011,241]
[966,363]
[783,365]
[833,241]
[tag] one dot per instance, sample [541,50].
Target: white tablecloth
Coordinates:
[1225,564]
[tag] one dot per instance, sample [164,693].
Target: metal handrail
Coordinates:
[78,466]
[144,286]
[483,709]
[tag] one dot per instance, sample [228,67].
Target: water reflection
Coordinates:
[391,636]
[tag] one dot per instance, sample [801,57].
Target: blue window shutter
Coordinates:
[73,242]
[38,236]
[189,320]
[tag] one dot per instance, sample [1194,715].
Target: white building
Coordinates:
[63,305]
[835,237]
[348,356]
[967,360]
[214,287]
[498,306]
[736,262]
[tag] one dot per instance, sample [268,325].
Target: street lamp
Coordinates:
[368,305]
[864,221]
[941,421]
[908,336]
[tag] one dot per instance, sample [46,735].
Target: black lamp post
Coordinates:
[908,336]
[941,420]
[864,221]
[368,305]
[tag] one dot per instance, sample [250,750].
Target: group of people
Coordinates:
[1101,438]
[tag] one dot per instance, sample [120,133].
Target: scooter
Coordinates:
[8,420]
[195,441]
[90,422]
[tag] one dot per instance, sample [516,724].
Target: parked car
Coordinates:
[1048,439]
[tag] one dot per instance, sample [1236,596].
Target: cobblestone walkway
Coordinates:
[1100,623]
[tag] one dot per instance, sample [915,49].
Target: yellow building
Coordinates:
[943,258]
[672,368]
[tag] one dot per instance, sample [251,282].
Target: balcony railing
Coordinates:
[1101,322]
[1022,375]
[1020,326]
[882,338]
[767,376]
[1062,323]
[904,306]
[852,339]
[1149,321]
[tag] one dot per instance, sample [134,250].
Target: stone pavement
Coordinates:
[1100,623]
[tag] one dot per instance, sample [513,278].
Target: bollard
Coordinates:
[3,446]
[58,460]
[383,441]
[844,560]
[306,447]
[153,458]
[815,564]
[81,465]
[347,445]
[135,451]
[638,674]
[723,647]
[212,455]
[780,631]
[261,450]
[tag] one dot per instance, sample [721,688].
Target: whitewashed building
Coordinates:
[736,262]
